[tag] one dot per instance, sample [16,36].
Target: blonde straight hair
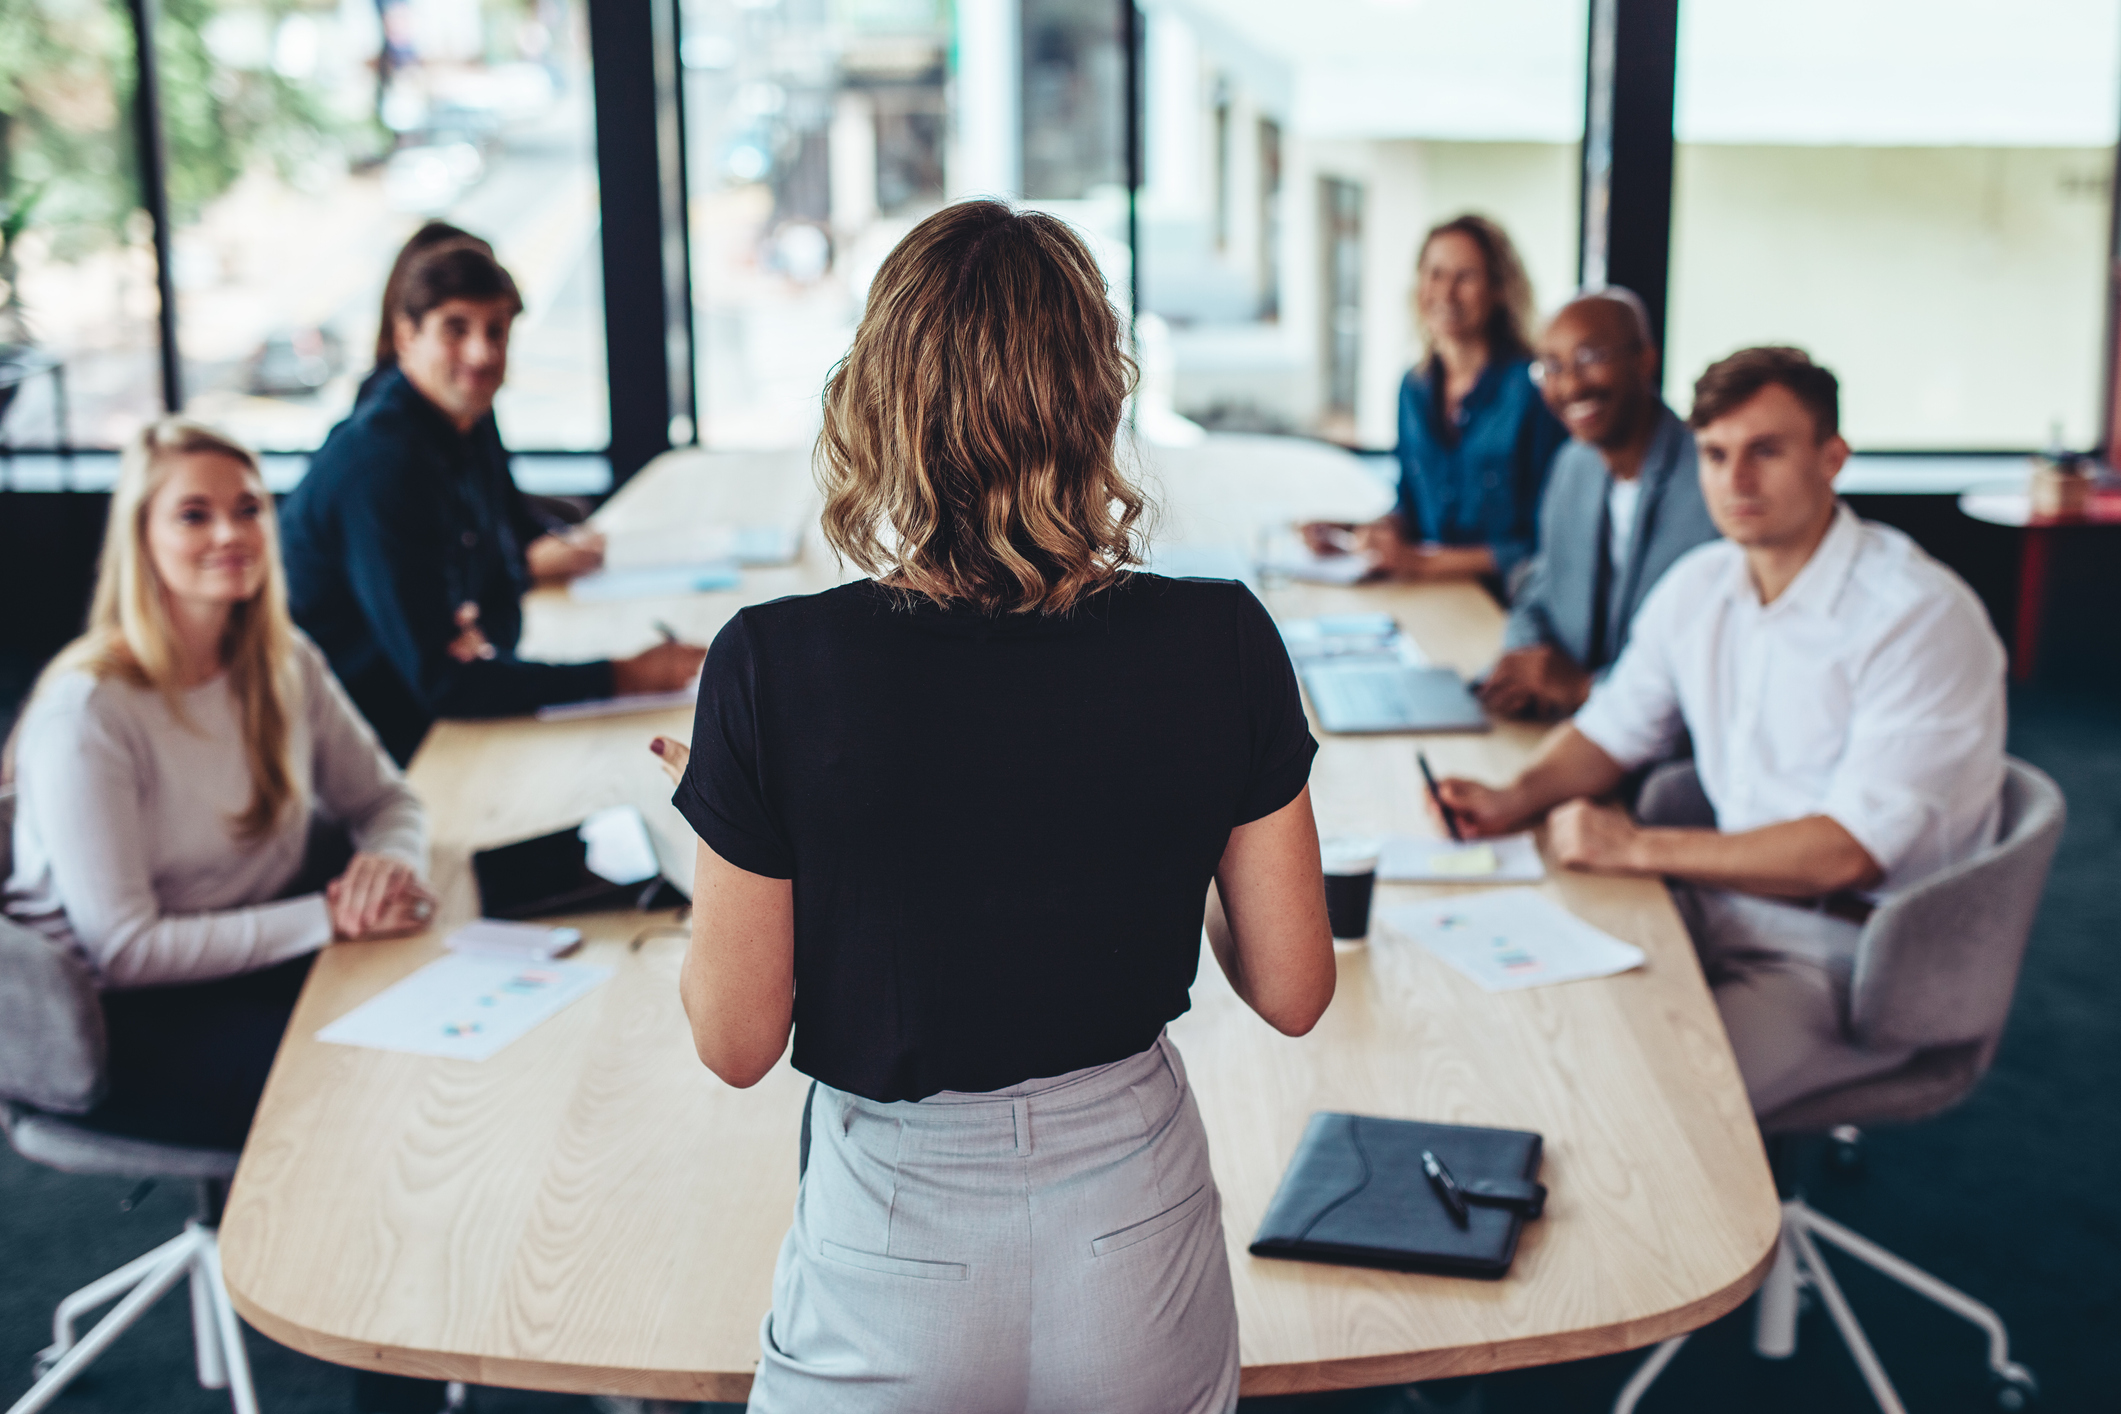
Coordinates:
[130,635]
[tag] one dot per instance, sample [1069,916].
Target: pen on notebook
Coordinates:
[1450,816]
[1446,1186]
[670,635]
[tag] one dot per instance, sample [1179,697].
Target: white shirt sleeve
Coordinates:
[78,776]
[356,782]
[1925,744]
[1633,713]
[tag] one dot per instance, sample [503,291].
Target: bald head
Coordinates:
[1598,372]
[1614,302]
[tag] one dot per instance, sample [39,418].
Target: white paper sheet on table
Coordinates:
[1287,555]
[654,581]
[463,1008]
[699,544]
[1509,939]
[1413,859]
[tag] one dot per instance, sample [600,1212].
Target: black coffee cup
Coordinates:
[1351,878]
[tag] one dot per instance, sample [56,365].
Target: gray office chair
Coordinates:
[1935,969]
[52,1068]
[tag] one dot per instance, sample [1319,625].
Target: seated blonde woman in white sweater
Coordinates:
[168,769]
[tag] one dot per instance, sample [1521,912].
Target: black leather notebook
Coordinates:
[1356,1194]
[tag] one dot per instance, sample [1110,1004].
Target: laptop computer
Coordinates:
[1369,693]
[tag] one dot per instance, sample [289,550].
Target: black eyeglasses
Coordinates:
[1546,370]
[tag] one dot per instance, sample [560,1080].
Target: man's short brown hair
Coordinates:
[1731,383]
[462,269]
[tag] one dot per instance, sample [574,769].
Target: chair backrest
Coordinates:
[1938,963]
[52,1045]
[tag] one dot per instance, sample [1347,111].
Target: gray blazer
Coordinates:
[1553,605]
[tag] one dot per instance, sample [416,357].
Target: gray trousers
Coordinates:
[1781,974]
[1052,1248]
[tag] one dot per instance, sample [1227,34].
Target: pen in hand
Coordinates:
[1450,816]
[1454,1200]
[670,635]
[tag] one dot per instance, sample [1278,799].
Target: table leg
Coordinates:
[2032,602]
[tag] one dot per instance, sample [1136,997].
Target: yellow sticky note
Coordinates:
[1470,862]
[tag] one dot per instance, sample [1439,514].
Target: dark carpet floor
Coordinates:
[2011,1196]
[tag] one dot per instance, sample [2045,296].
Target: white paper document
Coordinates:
[463,1008]
[1287,555]
[696,544]
[1412,859]
[1510,939]
[654,581]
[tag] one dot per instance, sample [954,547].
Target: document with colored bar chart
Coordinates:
[1508,939]
[463,1007]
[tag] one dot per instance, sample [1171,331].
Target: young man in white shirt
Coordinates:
[1844,693]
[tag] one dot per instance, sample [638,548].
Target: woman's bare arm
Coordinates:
[738,982]
[1267,918]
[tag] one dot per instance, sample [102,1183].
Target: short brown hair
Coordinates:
[431,236]
[1510,323]
[1731,383]
[454,270]
[968,444]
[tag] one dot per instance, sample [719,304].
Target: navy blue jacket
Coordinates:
[399,520]
[1477,482]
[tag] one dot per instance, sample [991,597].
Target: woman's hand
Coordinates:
[377,897]
[672,755]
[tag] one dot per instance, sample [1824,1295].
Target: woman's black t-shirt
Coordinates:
[1000,829]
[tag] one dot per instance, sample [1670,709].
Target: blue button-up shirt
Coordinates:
[1477,482]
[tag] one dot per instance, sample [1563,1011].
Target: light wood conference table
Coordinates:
[591,1210]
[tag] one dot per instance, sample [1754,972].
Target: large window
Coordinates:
[1917,192]
[1295,155]
[78,339]
[303,141]
[351,124]
[819,133]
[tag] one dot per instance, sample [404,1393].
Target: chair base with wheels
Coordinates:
[192,1257]
[1799,1268]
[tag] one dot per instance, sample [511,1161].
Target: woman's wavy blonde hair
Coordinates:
[130,634]
[968,450]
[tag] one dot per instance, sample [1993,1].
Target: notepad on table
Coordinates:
[463,1007]
[1505,940]
[1414,859]
[621,706]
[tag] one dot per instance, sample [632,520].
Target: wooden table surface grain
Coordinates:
[592,1211]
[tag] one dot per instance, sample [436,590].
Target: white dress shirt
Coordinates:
[125,841]
[1870,691]
[1621,499]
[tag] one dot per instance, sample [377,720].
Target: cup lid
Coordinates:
[1348,854]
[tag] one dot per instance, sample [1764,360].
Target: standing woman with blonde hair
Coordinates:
[959,824]
[168,770]
[1475,439]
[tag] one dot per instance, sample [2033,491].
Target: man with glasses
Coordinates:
[1622,503]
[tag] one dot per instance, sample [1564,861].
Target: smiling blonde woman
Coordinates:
[168,769]
[959,823]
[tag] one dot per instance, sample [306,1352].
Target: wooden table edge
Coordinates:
[1306,1377]
[711,1386]
[1319,1376]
